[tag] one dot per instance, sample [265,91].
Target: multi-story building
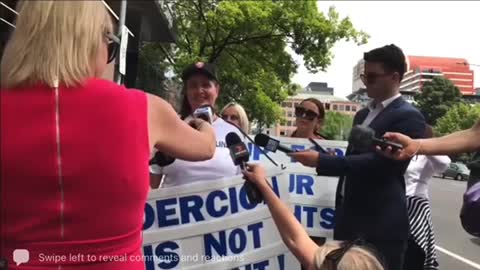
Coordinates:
[147,21]
[358,70]
[421,69]
[319,88]
[330,102]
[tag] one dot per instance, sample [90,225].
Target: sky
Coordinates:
[425,28]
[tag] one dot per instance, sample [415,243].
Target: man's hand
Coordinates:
[307,158]
[410,146]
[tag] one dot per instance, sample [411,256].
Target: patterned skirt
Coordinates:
[421,229]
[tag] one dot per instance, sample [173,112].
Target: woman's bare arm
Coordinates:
[172,136]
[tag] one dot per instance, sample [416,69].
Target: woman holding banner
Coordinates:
[333,255]
[75,148]
[201,87]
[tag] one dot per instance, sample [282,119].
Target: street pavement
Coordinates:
[456,249]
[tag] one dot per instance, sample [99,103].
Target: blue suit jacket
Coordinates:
[373,202]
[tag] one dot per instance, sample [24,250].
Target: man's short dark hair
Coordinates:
[390,56]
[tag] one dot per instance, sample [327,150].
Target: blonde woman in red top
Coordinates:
[75,148]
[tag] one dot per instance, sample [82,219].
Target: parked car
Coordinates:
[457,171]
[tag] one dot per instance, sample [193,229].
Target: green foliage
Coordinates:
[337,126]
[248,39]
[437,97]
[459,117]
[151,69]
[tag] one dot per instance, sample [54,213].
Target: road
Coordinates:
[453,242]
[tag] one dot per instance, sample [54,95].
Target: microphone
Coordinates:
[271,144]
[240,156]
[363,140]
[204,112]
[161,159]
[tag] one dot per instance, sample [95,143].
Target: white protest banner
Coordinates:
[199,226]
[312,197]
[338,147]
[210,224]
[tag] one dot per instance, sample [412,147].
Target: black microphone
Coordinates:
[161,159]
[240,156]
[363,140]
[271,144]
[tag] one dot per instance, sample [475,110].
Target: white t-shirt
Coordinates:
[221,165]
[420,170]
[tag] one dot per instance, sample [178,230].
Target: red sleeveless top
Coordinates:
[74,176]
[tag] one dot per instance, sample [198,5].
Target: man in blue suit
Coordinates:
[370,199]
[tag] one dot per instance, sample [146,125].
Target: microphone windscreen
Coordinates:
[232,138]
[261,140]
[361,138]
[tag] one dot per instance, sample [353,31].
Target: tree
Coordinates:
[459,117]
[337,126]
[248,39]
[437,97]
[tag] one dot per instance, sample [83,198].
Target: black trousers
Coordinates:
[414,257]
[392,253]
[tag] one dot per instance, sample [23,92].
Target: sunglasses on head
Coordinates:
[113,46]
[230,117]
[303,113]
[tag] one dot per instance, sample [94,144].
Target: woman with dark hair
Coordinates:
[201,87]
[310,116]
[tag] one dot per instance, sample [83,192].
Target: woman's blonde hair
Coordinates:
[54,40]
[356,258]
[242,115]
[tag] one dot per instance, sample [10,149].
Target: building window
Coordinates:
[282,133]
[268,132]
[327,106]
[341,108]
[289,123]
[294,123]
[289,114]
[347,108]
[354,108]
[287,104]
[335,107]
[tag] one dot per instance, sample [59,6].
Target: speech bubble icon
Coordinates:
[21,256]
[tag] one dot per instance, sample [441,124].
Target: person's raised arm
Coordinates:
[292,232]
[172,136]
[459,142]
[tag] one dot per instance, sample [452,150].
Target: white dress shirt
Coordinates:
[419,172]
[375,109]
